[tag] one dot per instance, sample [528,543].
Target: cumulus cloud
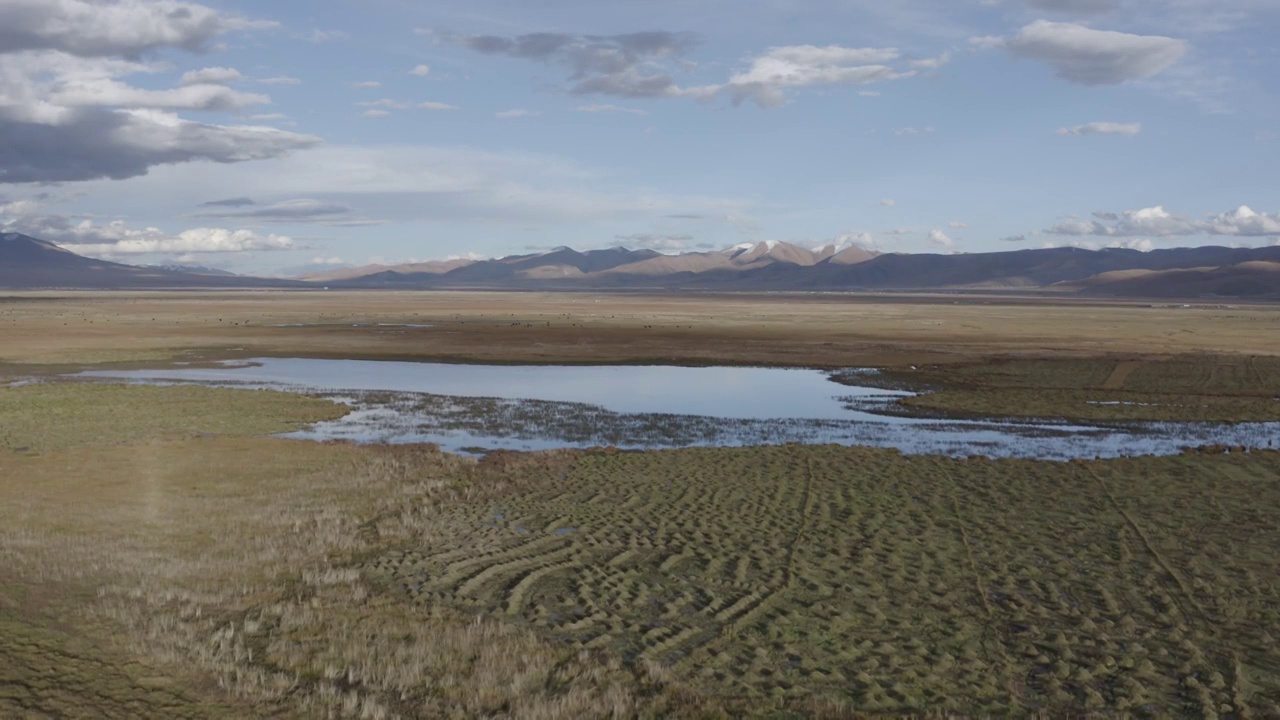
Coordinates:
[1102,128]
[660,243]
[195,241]
[628,65]
[115,237]
[101,143]
[888,202]
[940,238]
[641,65]
[66,114]
[864,240]
[211,76]
[429,105]
[771,74]
[111,93]
[91,28]
[1139,244]
[1158,222]
[1244,222]
[421,70]
[1096,57]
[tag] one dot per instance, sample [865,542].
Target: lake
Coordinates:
[536,407]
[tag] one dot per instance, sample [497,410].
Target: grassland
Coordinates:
[795,330]
[161,557]
[1204,388]
[167,575]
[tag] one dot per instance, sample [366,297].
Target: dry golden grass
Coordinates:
[823,330]
[234,576]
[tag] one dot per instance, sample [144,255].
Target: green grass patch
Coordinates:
[50,416]
[1204,388]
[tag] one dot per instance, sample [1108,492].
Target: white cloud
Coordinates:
[367,84]
[105,92]
[932,63]
[1102,128]
[888,202]
[375,113]
[197,240]
[332,260]
[115,237]
[1244,222]
[1096,57]
[280,80]
[429,105]
[516,113]
[421,70]
[864,240]
[1139,244]
[90,28]
[940,238]
[640,65]
[610,109]
[771,74]
[1158,222]
[957,225]
[660,243]
[211,76]
[386,103]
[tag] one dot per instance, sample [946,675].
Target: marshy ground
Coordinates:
[161,556]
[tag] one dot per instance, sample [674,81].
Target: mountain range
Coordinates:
[28,263]
[1210,271]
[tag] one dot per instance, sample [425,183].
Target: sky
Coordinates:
[285,137]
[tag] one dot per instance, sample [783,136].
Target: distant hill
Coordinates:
[192,269]
[27,262]
[1257,278]
[433,267]
[784,267]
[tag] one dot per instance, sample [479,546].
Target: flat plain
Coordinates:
[162,556]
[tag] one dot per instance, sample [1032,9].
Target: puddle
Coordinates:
[472,408]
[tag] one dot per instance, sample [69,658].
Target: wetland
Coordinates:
[526,407]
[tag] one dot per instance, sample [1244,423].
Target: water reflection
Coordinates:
[487,407]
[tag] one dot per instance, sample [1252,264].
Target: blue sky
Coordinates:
[275,137]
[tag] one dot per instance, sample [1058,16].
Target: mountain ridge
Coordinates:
[1206,271]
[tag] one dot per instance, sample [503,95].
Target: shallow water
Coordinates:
[465,407]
